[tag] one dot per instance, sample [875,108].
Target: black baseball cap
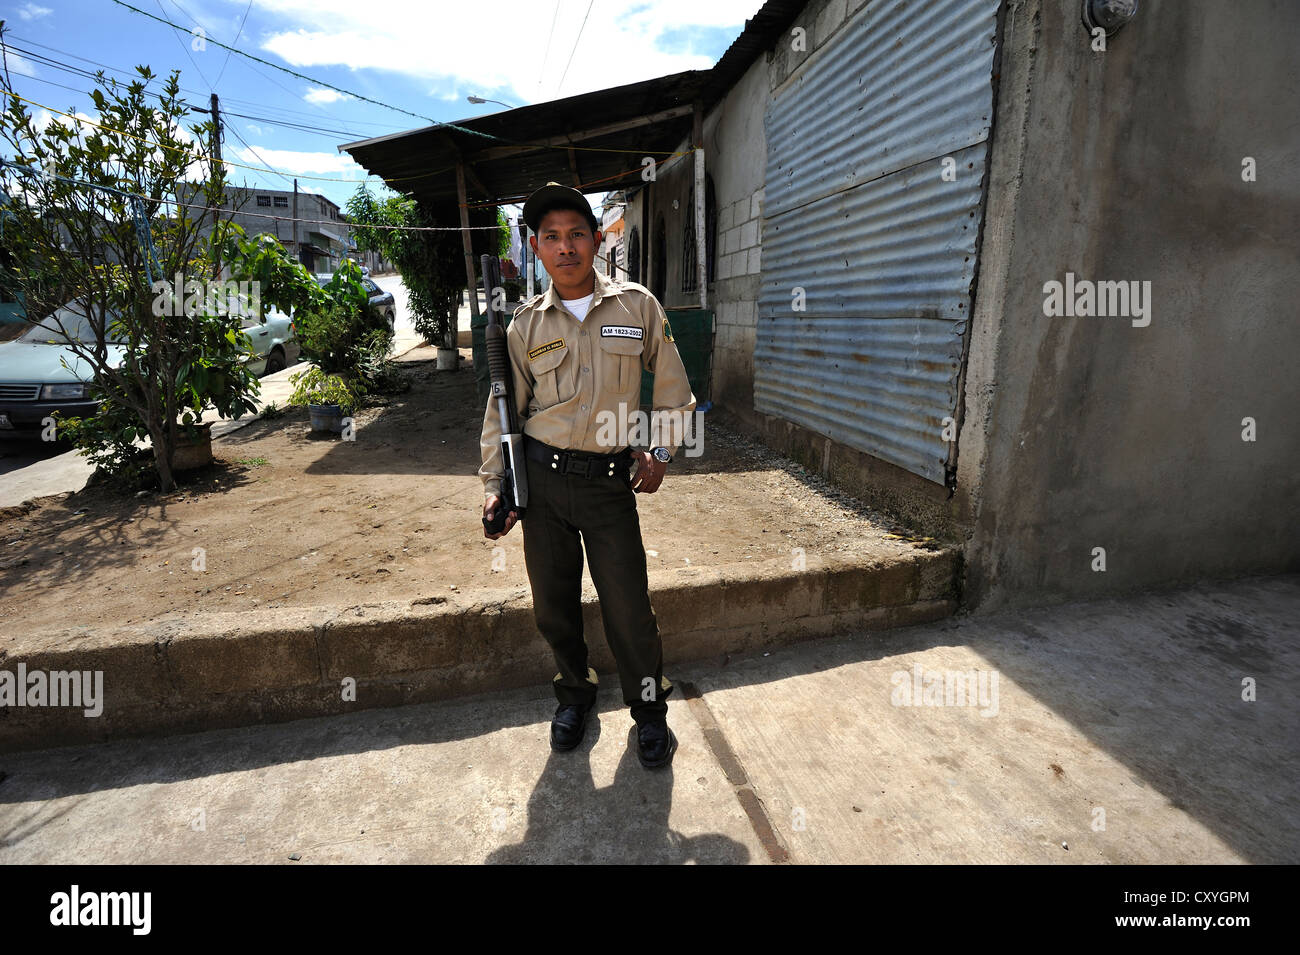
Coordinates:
[555,196]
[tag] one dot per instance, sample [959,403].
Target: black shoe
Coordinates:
[655,744]
[569,725]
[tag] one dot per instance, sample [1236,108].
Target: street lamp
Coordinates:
[478,100]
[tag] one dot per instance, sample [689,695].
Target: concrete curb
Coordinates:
[186,673]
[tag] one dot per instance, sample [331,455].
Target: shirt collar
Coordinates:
[603,288]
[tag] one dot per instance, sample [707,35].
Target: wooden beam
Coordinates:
[573,169]
[498,152]
[472,287]
[470,174]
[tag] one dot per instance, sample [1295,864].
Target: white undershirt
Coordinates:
[579,306]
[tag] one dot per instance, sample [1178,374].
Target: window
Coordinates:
[263,200]
[690,270]
[282,202]
[659,261]
[710,227]
[634,256]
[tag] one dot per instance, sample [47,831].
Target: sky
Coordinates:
[423,56]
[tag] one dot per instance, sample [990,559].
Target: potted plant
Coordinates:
[329,398]
[193,445]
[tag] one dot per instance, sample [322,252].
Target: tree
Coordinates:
[89,226]
[429,254]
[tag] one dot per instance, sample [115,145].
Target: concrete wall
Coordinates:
[735,151]
[1089,432]
[735,157]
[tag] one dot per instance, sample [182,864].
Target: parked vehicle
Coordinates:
[274,342]
[41,374]
[382,304]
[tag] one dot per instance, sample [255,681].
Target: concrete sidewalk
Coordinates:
[1116,732]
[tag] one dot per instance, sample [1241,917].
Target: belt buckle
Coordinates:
[571,466]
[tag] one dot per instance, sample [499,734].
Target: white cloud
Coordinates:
[301,163]
[321,96]
[30,11]
[445,42]
[18,65]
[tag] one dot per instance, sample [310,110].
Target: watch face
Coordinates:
[663,455]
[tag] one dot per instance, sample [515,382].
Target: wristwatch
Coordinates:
[661,455]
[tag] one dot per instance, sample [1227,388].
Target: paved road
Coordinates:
[1116,732]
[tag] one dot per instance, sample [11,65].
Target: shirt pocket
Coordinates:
[545,370]
[621,361]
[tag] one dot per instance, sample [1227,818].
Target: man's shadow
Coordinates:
[570,820]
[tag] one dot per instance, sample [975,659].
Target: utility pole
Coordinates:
[214,152]
[216,129]
[297,249]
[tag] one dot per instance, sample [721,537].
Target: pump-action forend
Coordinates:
[514,483]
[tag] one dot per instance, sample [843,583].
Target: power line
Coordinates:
[575,45]
[302,76]
[238,34]
[79,71]
[312,116]
[276,172]
[122,71]
[254,215]
[299,127]
[554,14]
[186,50]
[112,69]
[199,155]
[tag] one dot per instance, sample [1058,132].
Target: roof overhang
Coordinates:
[595,142]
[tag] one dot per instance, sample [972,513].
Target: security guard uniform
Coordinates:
[575,385]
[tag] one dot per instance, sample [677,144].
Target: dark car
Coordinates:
[382,304]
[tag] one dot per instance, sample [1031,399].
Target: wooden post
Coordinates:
[701,267]
[472,286]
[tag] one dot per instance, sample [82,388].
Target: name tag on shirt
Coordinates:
[622,331]
[541,350]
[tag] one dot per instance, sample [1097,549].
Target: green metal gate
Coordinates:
[693,334]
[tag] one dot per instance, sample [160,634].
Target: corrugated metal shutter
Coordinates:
[858,215]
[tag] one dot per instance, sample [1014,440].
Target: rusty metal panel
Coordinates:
[860,216]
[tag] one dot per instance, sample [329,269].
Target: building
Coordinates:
[322,239]
[886,205]
[612,258]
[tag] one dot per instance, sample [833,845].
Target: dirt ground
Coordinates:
[287,519]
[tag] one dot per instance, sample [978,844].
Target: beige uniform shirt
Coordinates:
[566,373]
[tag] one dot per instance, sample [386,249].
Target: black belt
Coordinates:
[578,462]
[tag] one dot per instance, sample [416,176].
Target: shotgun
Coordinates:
[514,483]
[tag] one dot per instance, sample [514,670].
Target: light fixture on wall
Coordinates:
[675,203]
[1110,15]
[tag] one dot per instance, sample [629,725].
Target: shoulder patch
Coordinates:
[528,304]
[668,332]
[540,350]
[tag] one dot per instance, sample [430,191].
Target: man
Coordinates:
[577,352]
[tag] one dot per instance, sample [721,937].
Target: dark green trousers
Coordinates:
[566,511]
